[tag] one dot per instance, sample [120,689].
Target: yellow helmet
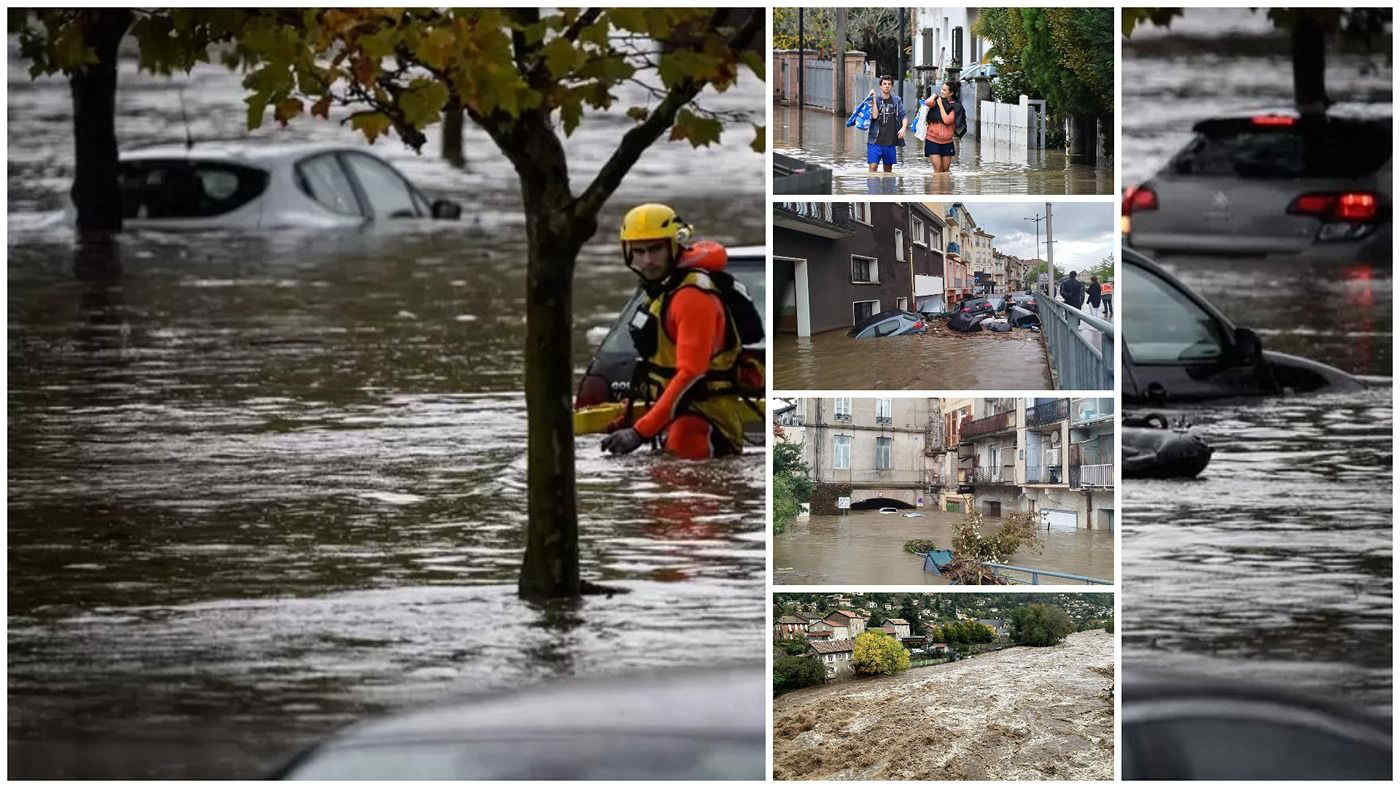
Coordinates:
[651,221]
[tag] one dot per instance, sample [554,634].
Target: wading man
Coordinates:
[697,380]
[887,127]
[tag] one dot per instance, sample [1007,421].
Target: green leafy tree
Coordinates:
[785,503]
[877,619]
[1108,625]
[869,30]
[793,646]
[795,672]
[526,76]
[1040,625]
[787,459]
[909,613]
[876,653]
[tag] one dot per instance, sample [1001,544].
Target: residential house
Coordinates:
[820,630]
[873,445]
[835,656]
[944,43]
[788,626]
[998,626]
[835,264]
[845,624]
[900,627]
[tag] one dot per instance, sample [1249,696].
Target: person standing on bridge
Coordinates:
[1072,291]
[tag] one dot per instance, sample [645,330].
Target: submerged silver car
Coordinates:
[246,184]
[1270,182]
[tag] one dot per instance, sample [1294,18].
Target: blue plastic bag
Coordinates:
[861,117]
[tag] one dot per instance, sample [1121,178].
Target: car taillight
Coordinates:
[1139,198]
[1337,207]
[1273,120]
[919,325]
[593,390]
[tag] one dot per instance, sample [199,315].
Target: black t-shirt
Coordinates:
[889,122]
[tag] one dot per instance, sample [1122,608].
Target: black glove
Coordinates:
[624,441]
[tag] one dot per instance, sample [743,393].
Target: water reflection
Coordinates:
[868,548]
[993,166]
[942,359]
[1277,563]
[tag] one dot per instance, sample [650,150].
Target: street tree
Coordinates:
[877,652]
[524,75]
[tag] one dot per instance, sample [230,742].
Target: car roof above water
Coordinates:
[250,152]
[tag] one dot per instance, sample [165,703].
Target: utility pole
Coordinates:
[1050,250]
[899,55]
[841,110]
[801,68]
[1037,219]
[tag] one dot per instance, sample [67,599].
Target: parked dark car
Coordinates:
[889,323]
[609,373]
[1191,728]
[977,305]
[1179,348]
[1270,182]
[672,725]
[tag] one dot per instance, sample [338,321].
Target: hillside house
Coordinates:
[835,655]
[788,627]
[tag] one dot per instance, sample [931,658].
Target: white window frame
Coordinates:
[898,245]
[841,452]
[884,446]
[874,270]
[901,303]
[874,311]
[842,407]
[860,212]
[916,231]
[884,408]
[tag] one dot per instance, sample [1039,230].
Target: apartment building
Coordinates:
[835,264]
[1053,456]
[873,446]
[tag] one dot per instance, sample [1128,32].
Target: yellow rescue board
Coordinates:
[595,418]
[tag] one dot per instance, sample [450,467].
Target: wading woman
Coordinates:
[942,115]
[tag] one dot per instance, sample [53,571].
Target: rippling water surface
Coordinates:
[1276,564]
[988,167]
[263,485]
[867,548]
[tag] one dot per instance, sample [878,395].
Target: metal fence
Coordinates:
[1035,575]
[1081,346]
[819,88]
[1044,474]
[1091,476]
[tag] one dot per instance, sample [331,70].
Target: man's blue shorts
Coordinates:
[880,154]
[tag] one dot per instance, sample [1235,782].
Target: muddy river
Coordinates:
[989,167]
[867,548]
[262,485]
[1019,714]
[940,360]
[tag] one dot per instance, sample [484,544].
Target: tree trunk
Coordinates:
[554,237]
[96,190]
[452,134]
[1309,64]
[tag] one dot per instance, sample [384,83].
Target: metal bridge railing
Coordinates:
[1081,346]
[1036,573]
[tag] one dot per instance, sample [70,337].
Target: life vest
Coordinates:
[725,396]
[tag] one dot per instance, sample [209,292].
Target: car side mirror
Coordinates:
[1248,348]
[446,209]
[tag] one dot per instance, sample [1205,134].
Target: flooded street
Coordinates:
[1022,713]
[941,359]
[262,485]
[868,548]
[988,167]
[1276,564]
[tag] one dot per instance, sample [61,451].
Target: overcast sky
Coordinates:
[1083,231]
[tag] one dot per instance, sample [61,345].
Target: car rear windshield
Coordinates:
[186,189]
[1339,149]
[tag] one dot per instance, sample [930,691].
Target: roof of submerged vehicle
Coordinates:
[1352,112]
[244,152]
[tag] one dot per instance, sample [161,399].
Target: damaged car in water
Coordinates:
[1179,348]
[889,323]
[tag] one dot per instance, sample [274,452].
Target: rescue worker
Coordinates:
[694,374]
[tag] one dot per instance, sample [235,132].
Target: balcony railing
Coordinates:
[1045,474]
[988,425]
[1047,413]
[1081,476]
[999,474]
[1086,410]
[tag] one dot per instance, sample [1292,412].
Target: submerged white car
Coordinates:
[223,185]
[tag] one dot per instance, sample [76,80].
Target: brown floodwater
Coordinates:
[868,548]
[941,359]
[988,167]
